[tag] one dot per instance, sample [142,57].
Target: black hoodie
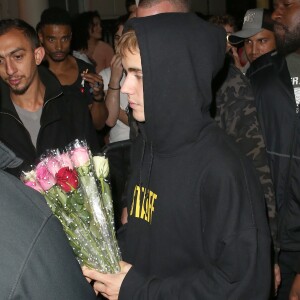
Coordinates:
[197,225]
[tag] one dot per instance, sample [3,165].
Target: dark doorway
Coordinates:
[238,9]
[71,6]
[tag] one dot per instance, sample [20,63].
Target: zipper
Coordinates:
[42,127]
[27,132]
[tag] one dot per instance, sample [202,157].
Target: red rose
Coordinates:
[67,179]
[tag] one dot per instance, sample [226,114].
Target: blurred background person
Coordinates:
[117,105]
[130,6]
[78,78]
[87,43]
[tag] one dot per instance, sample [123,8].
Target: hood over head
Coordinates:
[180,54]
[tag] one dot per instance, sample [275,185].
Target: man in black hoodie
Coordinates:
[197,226]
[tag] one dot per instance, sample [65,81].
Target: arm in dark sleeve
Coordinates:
[51,270]
[250,140]
[237,115]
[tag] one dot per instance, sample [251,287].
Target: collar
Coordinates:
[53,90]
[267,60]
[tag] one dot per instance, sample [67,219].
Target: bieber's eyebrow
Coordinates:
[137,70]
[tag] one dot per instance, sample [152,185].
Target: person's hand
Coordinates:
[96,83]
[277,277]
[236,58]
[107,284]
[124,216]
[116,71]
[295,290]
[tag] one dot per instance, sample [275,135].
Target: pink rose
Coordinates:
[65,160]
[80,157]
[34,185]
[53,165]
[44,177]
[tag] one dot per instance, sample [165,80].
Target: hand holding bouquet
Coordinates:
[77,190]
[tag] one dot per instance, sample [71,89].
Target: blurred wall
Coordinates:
[9,9]
[30,10]
[113,8]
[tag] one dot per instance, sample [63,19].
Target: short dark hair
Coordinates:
[223,20]
[184,5]
[56,16]
[81,25]
[8,24]
[128,3]
[121,21]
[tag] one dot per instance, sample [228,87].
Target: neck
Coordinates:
[57,66]
[91,44]
[33,98]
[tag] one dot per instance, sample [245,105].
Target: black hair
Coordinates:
[8,24]
[268,22]
[56,16]
[121,21]
[128,3]
[183,5]
[223,20]
[81,25]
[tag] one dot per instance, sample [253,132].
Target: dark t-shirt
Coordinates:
[75,89]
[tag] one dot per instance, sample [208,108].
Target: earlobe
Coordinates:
[39,54]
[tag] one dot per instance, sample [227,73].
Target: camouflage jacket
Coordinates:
[236,114]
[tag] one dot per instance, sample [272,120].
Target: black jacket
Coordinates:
[36,260]
[63,120]
[197,225]
[236,113]
[280,120]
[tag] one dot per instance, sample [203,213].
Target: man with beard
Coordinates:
[77,77]
[278,110]
[35,115]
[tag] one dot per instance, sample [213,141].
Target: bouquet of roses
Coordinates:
[77,189]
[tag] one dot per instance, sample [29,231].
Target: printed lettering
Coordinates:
[295,80]
[143,203]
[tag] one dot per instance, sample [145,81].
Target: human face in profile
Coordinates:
[287,25]
[18,61]
[133,84]
[259,44]
[56,40]
[95,30]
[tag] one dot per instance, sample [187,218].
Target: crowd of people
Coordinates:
[203,146]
